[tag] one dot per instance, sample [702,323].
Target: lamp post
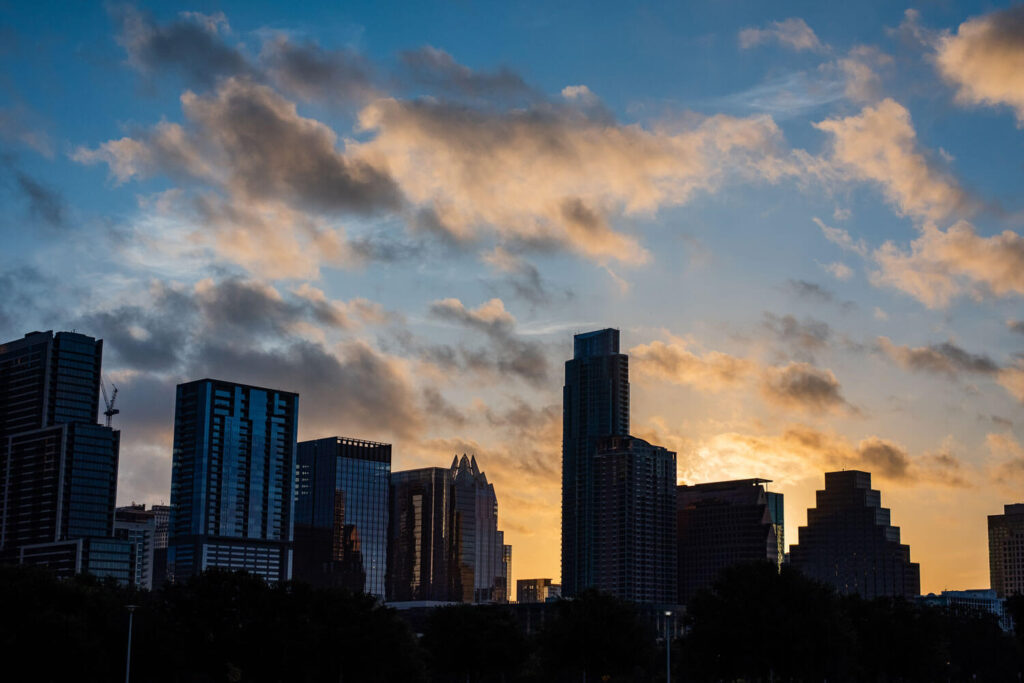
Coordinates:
[128,662]
[668,648]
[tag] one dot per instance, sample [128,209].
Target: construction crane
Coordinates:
[111,411]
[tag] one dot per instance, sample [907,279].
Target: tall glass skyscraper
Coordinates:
[232,479]
[341,513]
[420,527]
[850,544]
[58,467]
[595,404]
[479,546]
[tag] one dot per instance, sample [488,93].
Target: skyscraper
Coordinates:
[478,545]
[724,523]
[419,535]
[634,486]
[1006,551]
[849,543]
[137,525]
[341,513]
[58,467]
[232,479]
[595,404]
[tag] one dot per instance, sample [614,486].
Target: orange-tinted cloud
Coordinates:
[793,33]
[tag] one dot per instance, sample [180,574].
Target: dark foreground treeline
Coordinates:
[756,625]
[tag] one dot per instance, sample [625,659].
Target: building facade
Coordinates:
[478,545]
[634,485]
[971,603]
[420,526]
[537,590]
[1006,551]
[232,480]
[850,544]
[137,525]
[722,524]
[595,404]
[341,514]
[58,467]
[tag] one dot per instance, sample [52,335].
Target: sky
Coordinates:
[805,218]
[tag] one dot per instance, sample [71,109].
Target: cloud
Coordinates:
[984,60]
[941,264]
[1015,326]
[313,73]
[840,271]
[795,386]
[802,386]
[803,338]
[524,278]
[550,174]
[946,358]
[20,125]
[859,68]
[793,33]
[192,46]
[879,144]
[842,238]
[1008,465]
[507,353]
[439,71]
[1011,378]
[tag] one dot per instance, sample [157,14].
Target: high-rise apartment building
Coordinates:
[595,404]
[232,480]
[137,525]
[724,523]
[58,467]
[420,558]
[1006,551]
[849,542]
[634,486]
[341,513]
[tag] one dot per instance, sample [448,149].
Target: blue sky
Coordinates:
[804,217]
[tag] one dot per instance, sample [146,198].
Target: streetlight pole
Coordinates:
[668,648]
[128,662]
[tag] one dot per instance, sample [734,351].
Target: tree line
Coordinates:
[754,624]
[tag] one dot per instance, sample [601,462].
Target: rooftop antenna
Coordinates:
[111,411]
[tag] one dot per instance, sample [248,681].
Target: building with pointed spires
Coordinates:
[478,545]
[850,543]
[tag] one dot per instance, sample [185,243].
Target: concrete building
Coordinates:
[721,524]
[849,542]
[137,525]
[233,480]
[968,602]
[341,513]
[1006,551]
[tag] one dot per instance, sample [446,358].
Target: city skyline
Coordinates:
[404,221]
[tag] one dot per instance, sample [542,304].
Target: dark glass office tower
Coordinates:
[478,545]
[58,468]
[232,479]
[595,404]
[136,524]
[341,513]
[849,543]
[635,515]
[420,557]
[724,523]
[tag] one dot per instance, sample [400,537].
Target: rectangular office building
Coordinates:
[1006,551]
[341,514]
[232,480]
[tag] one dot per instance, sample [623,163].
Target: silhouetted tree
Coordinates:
[596,637]
[474,643]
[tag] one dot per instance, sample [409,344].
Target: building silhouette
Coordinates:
[537,590]
[420,527]
[137,525]
[233,479]
[595,404]
[850,544]
[162,515]
[58,467]
[634,485]
[721,524]
[341,513]
[1006,551]
[478,544]
[503,587]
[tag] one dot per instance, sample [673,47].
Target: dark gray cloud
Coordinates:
[885,457]
[1015,326]
[250,307]
[945,358]
[313,73]
[802,337]
[810,291]
[193,46]
[437,70]
[804,387]
[438,408]
[44,203]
